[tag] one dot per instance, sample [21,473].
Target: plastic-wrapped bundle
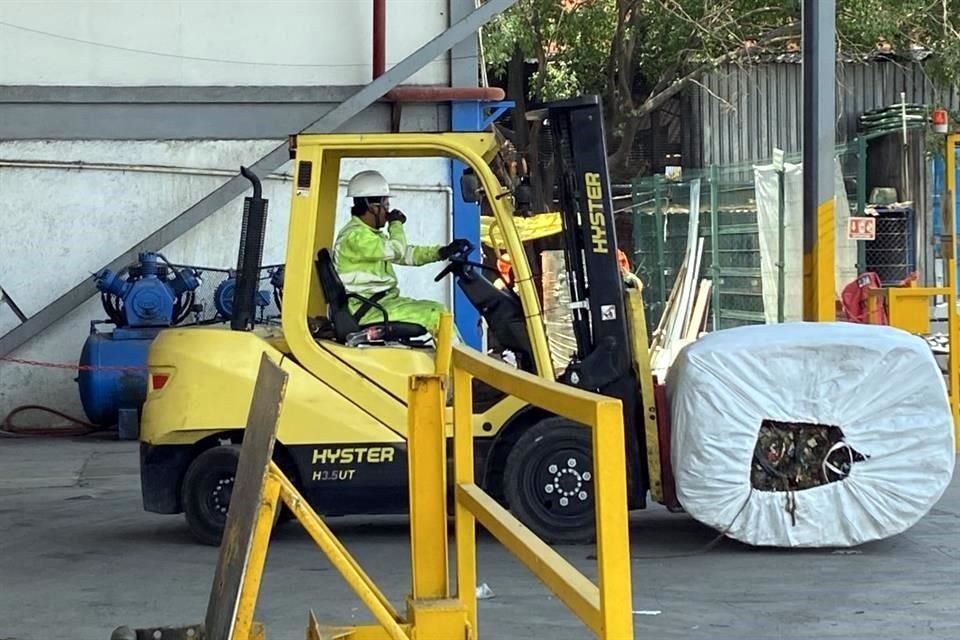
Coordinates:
[809,434]
[557,316]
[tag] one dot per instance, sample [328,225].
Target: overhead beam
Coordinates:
[238,185]
[819,112]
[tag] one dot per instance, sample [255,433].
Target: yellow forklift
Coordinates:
[342,434]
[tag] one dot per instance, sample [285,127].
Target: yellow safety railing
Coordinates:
[433,612]
[605,607]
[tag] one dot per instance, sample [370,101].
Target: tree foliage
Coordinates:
[638,54]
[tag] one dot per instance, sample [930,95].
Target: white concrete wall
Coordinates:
[209,42]
[58,226]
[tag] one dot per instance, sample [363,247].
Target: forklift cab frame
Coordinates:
[312,225]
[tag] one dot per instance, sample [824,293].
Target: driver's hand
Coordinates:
[397,216]
[457,246]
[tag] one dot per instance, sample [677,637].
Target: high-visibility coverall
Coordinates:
[364,259]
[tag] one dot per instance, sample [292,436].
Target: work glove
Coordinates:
[397,216]
[457,246]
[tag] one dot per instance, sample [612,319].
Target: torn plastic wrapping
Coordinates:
[879,386]
[557,317]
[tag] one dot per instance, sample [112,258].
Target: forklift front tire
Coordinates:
[207,487]
[548,481]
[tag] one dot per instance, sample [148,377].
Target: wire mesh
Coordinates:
[890,255]
[659,222]
[661,216]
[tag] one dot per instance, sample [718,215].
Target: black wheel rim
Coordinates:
[560,484]
[215,500]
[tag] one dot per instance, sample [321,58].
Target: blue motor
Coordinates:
[140,301]
[153,295]
[223,297]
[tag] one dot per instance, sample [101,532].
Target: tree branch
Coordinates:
[616,46]
[618,160]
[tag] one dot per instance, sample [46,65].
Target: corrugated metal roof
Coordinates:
[740,113]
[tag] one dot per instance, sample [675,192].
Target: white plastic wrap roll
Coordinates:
[881,386]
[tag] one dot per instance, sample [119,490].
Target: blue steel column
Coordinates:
[466,115]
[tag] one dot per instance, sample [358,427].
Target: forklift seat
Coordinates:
[346,324]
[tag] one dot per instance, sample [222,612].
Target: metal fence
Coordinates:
[731,253]
[728,225]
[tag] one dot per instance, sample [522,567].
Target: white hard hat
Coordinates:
[368,184]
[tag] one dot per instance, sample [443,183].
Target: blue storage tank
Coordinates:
[109,394]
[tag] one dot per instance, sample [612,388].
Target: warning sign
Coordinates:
[861,228]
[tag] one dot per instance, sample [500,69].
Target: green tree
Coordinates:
[638,54]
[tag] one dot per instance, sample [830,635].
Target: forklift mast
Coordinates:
[603,361]
[582,186]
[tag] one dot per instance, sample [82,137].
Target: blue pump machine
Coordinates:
[153,294]
[140,301]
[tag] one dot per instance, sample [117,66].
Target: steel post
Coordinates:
[781,249]
[635,216]
[660,232]
[861,199]
[466,115]
[819,71]
[715,242]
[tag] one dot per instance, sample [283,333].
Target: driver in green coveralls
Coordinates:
[364,255]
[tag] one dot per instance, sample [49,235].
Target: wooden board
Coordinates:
[681,311]
[255,455]
[658,333]
[699,315]
[688,293]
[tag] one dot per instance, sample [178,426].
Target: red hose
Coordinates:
[9,430]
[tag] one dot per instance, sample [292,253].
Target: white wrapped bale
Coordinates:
[879,385]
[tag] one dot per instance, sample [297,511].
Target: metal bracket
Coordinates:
[496,109]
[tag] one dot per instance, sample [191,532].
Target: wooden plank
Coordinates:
[691,260]
[699,316]
[658,334]
[680,317]
[689,292]
[248,492]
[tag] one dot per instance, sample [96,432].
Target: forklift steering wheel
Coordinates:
[453,264]
[454,261]
[458,264]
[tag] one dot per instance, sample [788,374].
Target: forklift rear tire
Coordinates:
[207,486]
[548,481]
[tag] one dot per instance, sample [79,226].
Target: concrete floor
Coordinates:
[78,557]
